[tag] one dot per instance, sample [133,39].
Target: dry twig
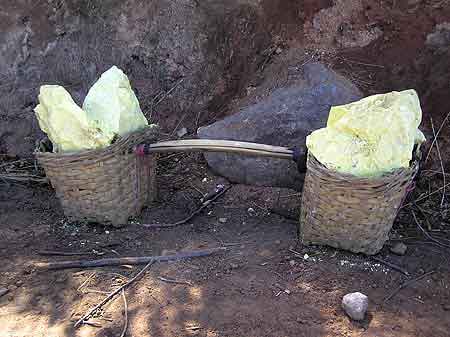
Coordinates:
[205,204]
[426,196]
[118,261]
[23,178]
[94,324]
[125,309]
[86,281]
[435,137]
[58,253]
[162,96]
[112,294]
[391,265]
[406,284]
[168,280]
[440,160]
[427,234]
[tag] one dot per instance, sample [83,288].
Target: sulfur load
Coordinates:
[110,109]
[370,137]
[65,123]
[112,105]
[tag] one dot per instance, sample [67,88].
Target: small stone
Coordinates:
[399,248]
[355,305]
[223,220]
[251,210]
[292,263]
[234,265]
[19,283]
[106,232]
[182,132]
[204,180]
[3,291]
[305,257]
[278,51]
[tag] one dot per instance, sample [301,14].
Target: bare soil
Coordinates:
[259,287]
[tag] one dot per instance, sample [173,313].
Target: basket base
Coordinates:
[367,247]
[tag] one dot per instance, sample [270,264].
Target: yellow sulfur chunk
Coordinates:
[370,137]
[65,123]
[112,105]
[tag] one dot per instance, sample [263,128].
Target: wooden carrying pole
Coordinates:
[212,145]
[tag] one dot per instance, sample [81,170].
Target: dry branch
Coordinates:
[404,285]
[205,204]
[112,294]
[125,309]
[127,260]
[427,234]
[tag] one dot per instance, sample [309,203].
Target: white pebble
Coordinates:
[355,305]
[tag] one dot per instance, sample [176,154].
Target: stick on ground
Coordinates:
[125,312]
[197,211]
[112,294]
[406,284]
[391,265]
[58,253]
[168,280]
[427,234]
[127,260]
[86,281]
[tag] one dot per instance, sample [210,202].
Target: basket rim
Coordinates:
[314,163]
[121,141]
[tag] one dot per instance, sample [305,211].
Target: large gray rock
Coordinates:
[283,118]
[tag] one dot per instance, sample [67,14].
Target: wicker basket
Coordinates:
[107,185]
[348,212]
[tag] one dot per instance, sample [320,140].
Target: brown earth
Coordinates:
[238,292]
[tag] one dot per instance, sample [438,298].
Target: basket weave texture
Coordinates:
[348,212]
[107,185]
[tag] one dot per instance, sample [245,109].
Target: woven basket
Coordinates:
[107,185]
[348,212]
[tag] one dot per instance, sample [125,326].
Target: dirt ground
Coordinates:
[263,285]
[266,283]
